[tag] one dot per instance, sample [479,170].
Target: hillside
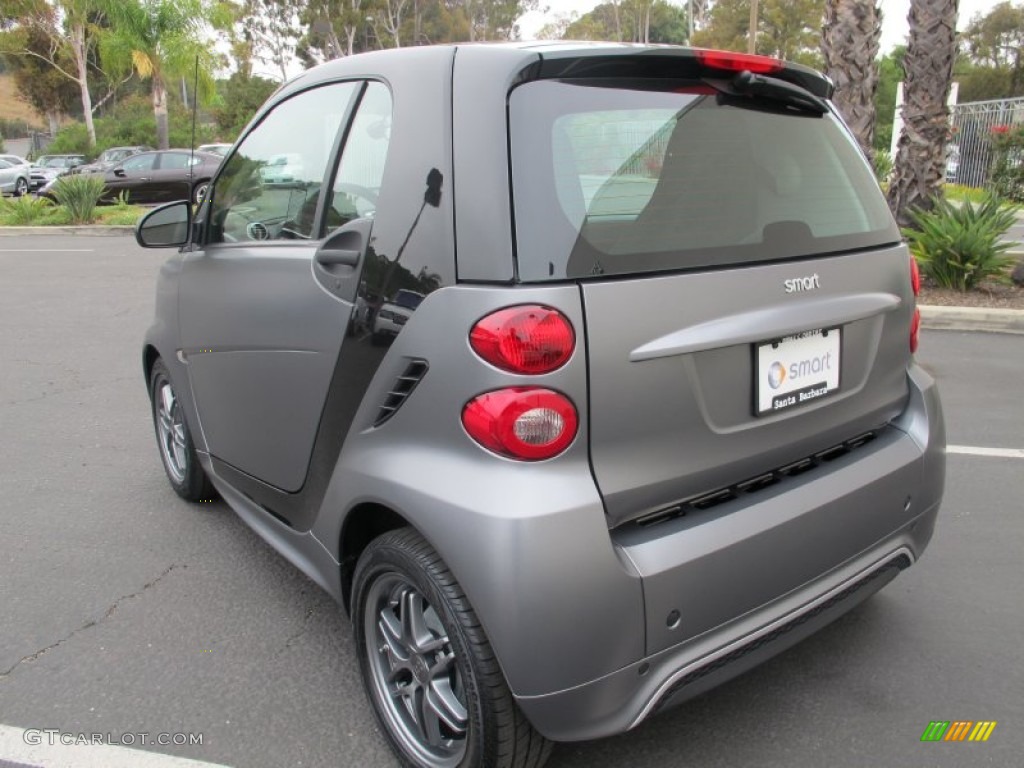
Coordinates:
[13,107]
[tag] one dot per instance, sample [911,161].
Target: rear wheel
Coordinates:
[177,452]
[20,187]
[428,667]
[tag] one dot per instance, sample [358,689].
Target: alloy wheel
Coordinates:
[170,427]
[414,672]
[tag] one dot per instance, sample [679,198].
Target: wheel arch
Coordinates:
[364,523]
[149,357]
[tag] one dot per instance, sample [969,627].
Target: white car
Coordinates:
[282,169]
[14,179]
[15,160]
[394,314]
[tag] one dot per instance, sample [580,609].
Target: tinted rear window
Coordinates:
[620,180]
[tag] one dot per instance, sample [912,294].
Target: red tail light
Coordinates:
[526,423]
[915,276]
[738,62]
[528,339]
[915,321]
[915,330]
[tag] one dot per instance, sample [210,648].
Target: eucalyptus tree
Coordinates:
[849,44]
[69,29]
[919,165]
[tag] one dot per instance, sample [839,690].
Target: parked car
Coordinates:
[157,177]
[15,160]
[611,460]
[217,149]
[48,167]
[13,179]
[282,169]
[110,157]
[393,315]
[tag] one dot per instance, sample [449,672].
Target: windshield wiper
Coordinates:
[779,90]
[767,88]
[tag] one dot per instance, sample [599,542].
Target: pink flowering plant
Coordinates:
[1007,175]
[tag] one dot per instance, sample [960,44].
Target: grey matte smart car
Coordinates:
[656,418]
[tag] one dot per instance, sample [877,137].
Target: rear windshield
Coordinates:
[621,178]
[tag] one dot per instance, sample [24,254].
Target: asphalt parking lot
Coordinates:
[124,610]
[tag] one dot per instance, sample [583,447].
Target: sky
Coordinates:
[894,16]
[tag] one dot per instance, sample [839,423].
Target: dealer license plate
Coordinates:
[796,370]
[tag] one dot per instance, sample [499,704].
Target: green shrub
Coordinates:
[23,211]
[883,166]
[1007,176]
[78,194]
[72,139]
[959,246]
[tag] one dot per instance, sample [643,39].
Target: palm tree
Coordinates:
[849,44]
[919,165]
[161,40]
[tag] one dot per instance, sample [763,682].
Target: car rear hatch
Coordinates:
[748,302]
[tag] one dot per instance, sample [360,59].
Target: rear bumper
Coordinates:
[718,592]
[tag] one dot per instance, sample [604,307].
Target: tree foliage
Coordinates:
[160,40]
[635,21]
[991,64]
[786,29]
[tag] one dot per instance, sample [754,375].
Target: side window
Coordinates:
[139,163]
[270,187]
[174,161]
[357,185]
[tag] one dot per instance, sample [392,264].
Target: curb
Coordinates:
[972,319]
[88,230]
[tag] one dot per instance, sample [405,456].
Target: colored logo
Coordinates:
[958,730]
[776,375]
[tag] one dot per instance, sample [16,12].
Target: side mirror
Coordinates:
[168,226]
[119,172]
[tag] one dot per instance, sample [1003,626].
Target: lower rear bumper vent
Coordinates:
[887,571]
[401,389]
[754,484]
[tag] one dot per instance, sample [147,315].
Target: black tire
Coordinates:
[177,451]
[20,187]
[199,191]
[398,576]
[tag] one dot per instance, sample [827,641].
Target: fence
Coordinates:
[972,126]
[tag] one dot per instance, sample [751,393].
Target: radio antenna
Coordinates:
[192,150]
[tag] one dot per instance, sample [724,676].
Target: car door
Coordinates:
[132,176]
[169,180]
[264,306]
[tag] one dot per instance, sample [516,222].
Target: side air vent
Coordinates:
[257,230]
[401,389]
[775,476]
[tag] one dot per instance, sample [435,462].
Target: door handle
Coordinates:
[338,257]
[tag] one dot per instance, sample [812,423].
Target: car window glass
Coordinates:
[139,163]
[651,178]
[174,161]
[357,184]
[4,164]
[270,187]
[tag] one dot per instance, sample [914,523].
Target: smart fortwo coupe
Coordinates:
[655,418]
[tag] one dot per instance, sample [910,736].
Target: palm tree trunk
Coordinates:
[78,48]
[850,44]
[160,112]
[919,166]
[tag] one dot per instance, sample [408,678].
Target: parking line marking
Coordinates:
[999,453]
[14,748]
